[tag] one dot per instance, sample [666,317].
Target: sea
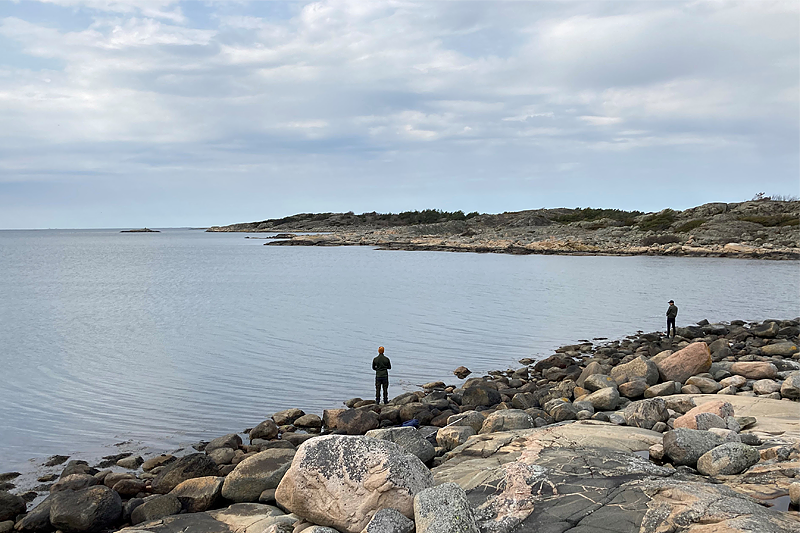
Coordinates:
[154,341]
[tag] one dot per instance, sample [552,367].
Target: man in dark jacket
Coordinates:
[672,313]
[381,366]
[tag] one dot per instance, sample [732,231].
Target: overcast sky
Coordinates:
[130,113]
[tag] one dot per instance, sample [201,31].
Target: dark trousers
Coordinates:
[382,382]
[671,321]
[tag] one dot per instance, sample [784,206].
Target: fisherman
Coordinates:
[381,366]
[672,313]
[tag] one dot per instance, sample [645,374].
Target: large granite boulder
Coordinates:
[351,421]
[256,474]
[477,395]
[342,481]
[685,446]
[640,368]
[646,413]
[450,437]
[87,510]
[187,467]
[755,370]
[199,494]
[506,419]
[443,509]
[720,408]
[727,459]
[408,438]
[10,506]
[685,363]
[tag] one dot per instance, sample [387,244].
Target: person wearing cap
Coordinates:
[381,366]
[672,313]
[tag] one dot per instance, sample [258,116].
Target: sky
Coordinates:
[162,113]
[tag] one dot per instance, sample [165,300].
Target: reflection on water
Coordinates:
[182,335]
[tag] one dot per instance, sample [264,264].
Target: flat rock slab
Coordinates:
[183,523]
[774,417]
[559,479]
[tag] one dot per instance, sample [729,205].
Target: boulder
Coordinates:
[351,421]
[443,509]
[524,400]
[73,482]
[633,389]
[685,446]
[154,462]
[231,440]
[156,507]
[77,467]
[389,521]
[342,481]
[794,494]
[646,413]
[462,372]
[640,368]
[473,419]
[766,330]
[408,438]
[728,459]
[87,510]
[505,420]
[199,494]
[249,517]
[476,396]
[685,363]
[38,519]
[223,456]
[187,467]
[755,370]
[596,382]
[112,478]
[450,437]
[129,487]
[592,368]
[309,421]
[784,349]
[704,385]
[564,411]
[720,408]
[287,416]
[680,404]
[256,474]
[10,506]
[791,386]
[700,421]
[132,463]
[733,381]
[604,399]
[663,389]
[766,386]
[267,430]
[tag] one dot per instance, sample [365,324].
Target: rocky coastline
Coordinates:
[758,229]
[698,433]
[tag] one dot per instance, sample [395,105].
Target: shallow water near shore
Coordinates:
[171,337]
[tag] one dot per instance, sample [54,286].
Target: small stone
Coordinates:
[706,386]
[656,452]
[461,373]
[794,494]
[734,381]
[663,389]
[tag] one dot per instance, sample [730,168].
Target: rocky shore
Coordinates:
[699,433]
[761,229]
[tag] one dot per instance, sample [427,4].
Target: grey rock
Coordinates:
[766,386]
[86,510]
[604,399]
[187,467]
[667,388]
[474,419]
[129,506]
[450,437]
[158,507]
[640,368]
[564,411]
[267,430]
[6,526]
[596,382]
[633,389]
[766,330]
[645,413]
[791,387]
[73,482]
[443,509]
[38,518]
[592,368]
[705,385]
[505,420]
[77,467]
[222,456]
[154,462]
[706,421]
[524,400]
[129,487]
[199,494]
[794,494]
[727,459]
[726,435]
[480,396]
[10,506]
[685,446]
[231,440]
[389,521]
[287,416]
[408,438]
[132,462]
[308,421]
[256,474]
[112,478]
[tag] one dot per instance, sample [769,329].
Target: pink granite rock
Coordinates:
[755,370]
[685,363]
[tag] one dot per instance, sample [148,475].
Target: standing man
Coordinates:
[381,366]
[672,313]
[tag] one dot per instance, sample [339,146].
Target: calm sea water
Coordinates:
[171,337]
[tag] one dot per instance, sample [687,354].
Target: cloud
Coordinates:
[171,88]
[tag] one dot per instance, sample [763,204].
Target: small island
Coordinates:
[143,230]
